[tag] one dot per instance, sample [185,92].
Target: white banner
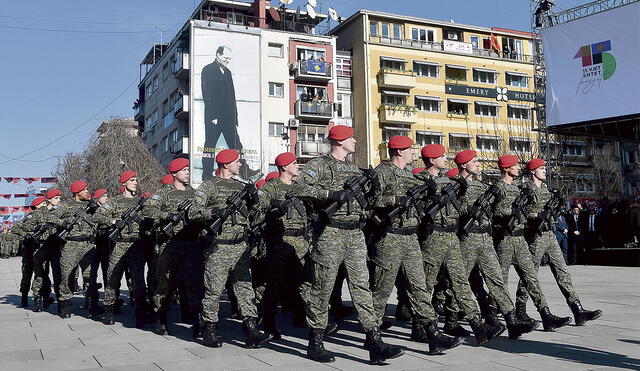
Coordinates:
[593,67]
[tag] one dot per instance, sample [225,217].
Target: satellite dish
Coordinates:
[313,3]
[311,11]
[333,14]
[286,2]
[274,14]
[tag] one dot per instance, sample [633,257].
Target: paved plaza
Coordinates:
[43,341]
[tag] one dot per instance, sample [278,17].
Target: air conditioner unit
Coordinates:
[293,123]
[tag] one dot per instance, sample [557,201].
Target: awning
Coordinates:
[392,59]
[436,133]
[483,136]
[457,100]
[521,106]
[521,139]
[429,97]
[485,70]
[395,128]
[517,74]
[459,135]
[456,66]
[427,63]
[393,92]
[485,103]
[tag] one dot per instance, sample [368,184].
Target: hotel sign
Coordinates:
[486,92]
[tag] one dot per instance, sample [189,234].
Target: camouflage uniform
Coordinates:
[513,248]
[399,247]
[41,285]
[228,255]
[125,253]
[442,246]
[477,248]
[545,245]
[339,240]
[179,253]
[19,234]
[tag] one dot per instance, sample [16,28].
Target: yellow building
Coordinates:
[439,82]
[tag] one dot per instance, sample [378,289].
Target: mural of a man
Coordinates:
[220,110]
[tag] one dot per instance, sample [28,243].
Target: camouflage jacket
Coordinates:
[475,190]
[503,207]
[275,189]
[113,209]
[394,182]
[166,201]
[66,212]
[442,218]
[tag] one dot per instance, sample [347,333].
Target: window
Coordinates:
[457,106]
[516,79]
[486,109]
[373,28]
[165,144]
[312,133]
[276,89]
[310,93]
[484,76]
[345,103]
[397,31]
[394,100]
[426,69]
[154,149]
[156,83]
[148,89]
[276,129]
[455,72]
[512,48]
[392,63]
[276,50]
[154,118]
[570,148]
[390,131]
[385,30]
[305,54]
[427,104]
[165,107]
[165,71]
[422,34]
[518,112]
[343,67]
[584,184]
[459,141]
[173,136]
[487,143]
[424,137]
[520,145]
[452,35]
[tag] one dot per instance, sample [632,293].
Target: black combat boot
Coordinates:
[95,309]
[37,304]
[315,349]
[551,322]
[517,327]
[161,327]
[117,306]
[47,301]
[209,337]
[378,350]
[253,337]
[196,328]
[332,329]
[521,312]
[269,323]
[438,307]
[141,315]
[582,315]
[108,315]
[65,309]
[429,333]
[490,315]
[402,312]
[452,327]
[485,332]
[24,301]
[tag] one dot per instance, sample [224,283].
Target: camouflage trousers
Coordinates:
[547,244]
[513,250]
[76,253]
[27,267]
[443,248]
[41,285]
[224,262]
[333,247]
[392,252]
[125,255]
[478,249]
[173,257]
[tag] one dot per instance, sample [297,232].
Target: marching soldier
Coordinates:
[544,243]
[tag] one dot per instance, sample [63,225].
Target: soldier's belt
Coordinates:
[127,239]
[403,230]
[79,239]
[230,241]
[479,229]
[445,228]
[516,233]
[356,224]
[295,232]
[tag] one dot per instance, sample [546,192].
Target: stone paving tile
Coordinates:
[132,358]
[60,364]
[143,367]
[53,353]
[20,355]
[239,362]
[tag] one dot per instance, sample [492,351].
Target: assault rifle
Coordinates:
[40,230]
[519,209]
[414,198]
[126,220]
[234,206]
[287,206]
[550,211]
[448,196]
[177,217]
[80,215]
[356,188]
[481,208]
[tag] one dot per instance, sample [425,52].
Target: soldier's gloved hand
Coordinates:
[340,196]
[66,226]
[173,217]
[280,205]
[403,201]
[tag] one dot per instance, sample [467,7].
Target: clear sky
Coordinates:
[68,65]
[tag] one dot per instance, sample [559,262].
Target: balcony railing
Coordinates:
[312,149]
[138,112]
[395,78]
[181,107]
[168,119]
[314,110]
[397,114]
[311,69]
[181,65]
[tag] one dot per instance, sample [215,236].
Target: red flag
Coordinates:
[49,180]
[25,208]
[5,195]
[14,208]
[12,179]
[30,180]
[494,43]
[6,222]
[38,194]
[20,195]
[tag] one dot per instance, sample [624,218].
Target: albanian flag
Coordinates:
[49,180]
[5,195]
[30,180]
[20,195]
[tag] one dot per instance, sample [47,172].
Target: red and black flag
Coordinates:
[20,195]
[52,179]
[5,195]
[12,179]
[4,210]
[30,180]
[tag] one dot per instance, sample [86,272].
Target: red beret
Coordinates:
[99,193]
[399,142]
[53,193]
[285,159]
[127,175]
[78,186]
[508,161]
[121,189]
[167,179]
[465,156]
[535,163]
[227,156]
[177,164]
[271,175]
[432,151]
[260,183]
[417,170]
[453,173]
[340,132]
[37,201]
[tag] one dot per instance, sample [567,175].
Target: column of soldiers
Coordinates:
[382,227]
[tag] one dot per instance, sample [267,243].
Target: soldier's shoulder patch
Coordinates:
[155,197]
[200,194]
[106,206]
[260,193]
[311,173]
[29,216]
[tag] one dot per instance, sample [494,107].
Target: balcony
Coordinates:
[312,149]
[313,70]
[397,114]
[138,112]
[399,79]
[181,107]
[314,110]
[181,66]
[167,120]
[181,147]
